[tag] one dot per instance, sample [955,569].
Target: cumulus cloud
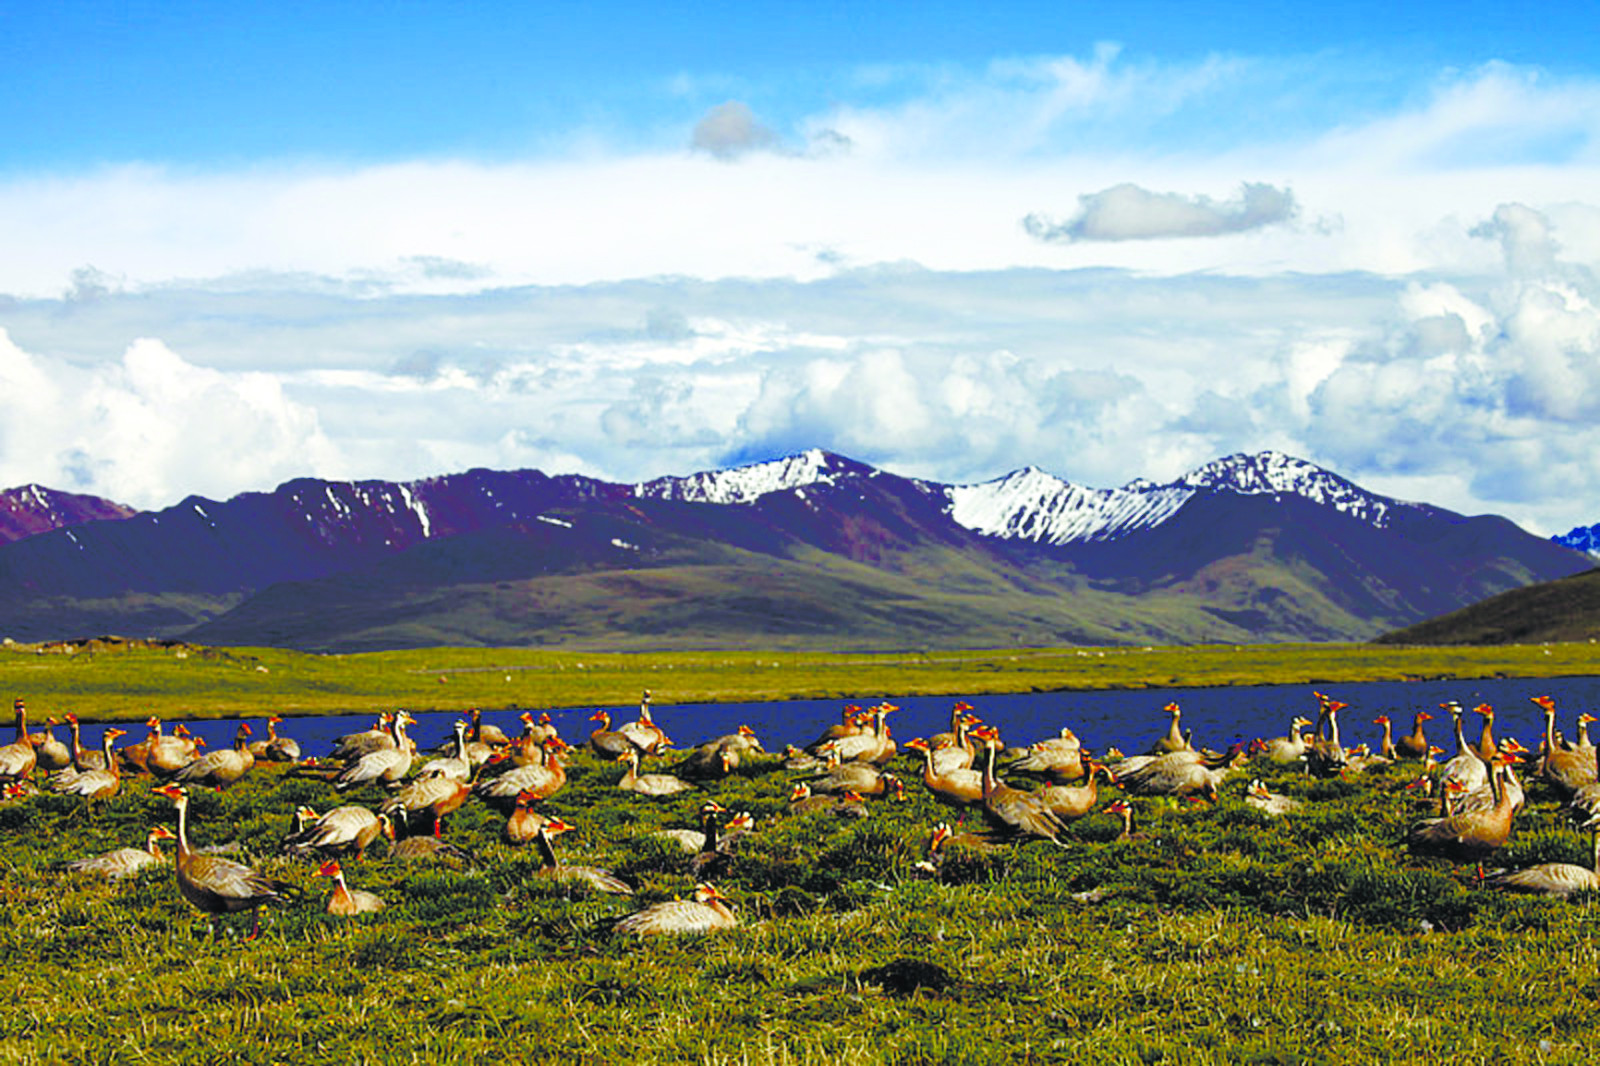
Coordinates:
[1501,390]
[150,428]
[1524,236]
[1127,212]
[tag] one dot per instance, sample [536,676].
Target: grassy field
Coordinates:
[123,680]
[1217,935]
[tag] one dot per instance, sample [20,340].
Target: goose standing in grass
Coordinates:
[873,745]
[352,746]
[1580,730]
[1071,802]
[1386,747]
[344,901]
[1414,745]
[706,912]
[1486,748]
[487,733]
[17,759]
[1563,879]
[961,719]
[643,733]
[1466,765]
[653,785]
[221,769]
[954,784]
[276,748]
[92,784]
[214,884]
[50,753]
[82,758]
[135,758]
[383,765]
[1327,756]
[125,862]
[543,779]
[430,798]
[851,719]
[458,764]
[606,742]
[1585,802]
[1565,769]
[1467,836]
[1173,740]
[168,755]
[341,831]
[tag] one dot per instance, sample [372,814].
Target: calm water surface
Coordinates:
[1130,720]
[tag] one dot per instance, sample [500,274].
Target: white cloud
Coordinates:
[151,428]
[1128,213]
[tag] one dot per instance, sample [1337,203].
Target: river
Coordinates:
[1128,719]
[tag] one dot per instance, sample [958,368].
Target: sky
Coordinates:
[399,240]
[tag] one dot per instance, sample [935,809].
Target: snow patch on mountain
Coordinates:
[1274,472]
[1030,504]
[1583,538]
[746,484]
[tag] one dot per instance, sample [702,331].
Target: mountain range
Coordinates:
[810,550]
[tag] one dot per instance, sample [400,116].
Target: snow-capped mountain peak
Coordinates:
[1029,504]
[1274,472]
[746,484]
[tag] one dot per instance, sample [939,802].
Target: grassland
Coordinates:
[128,680]
[1218,935]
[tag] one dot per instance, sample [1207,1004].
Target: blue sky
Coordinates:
[203,84]
[1112,241]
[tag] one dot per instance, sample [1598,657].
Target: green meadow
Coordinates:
[115,679]
[1215,935]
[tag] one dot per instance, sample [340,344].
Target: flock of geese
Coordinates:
[851,765]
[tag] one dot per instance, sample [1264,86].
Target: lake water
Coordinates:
[1130,720]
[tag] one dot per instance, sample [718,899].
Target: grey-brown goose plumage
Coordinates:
[706,912]
[1012,811]
[214,884]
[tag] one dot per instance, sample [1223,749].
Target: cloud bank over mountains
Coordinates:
[1408,298]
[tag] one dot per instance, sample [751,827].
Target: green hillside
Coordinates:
[1565,610]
